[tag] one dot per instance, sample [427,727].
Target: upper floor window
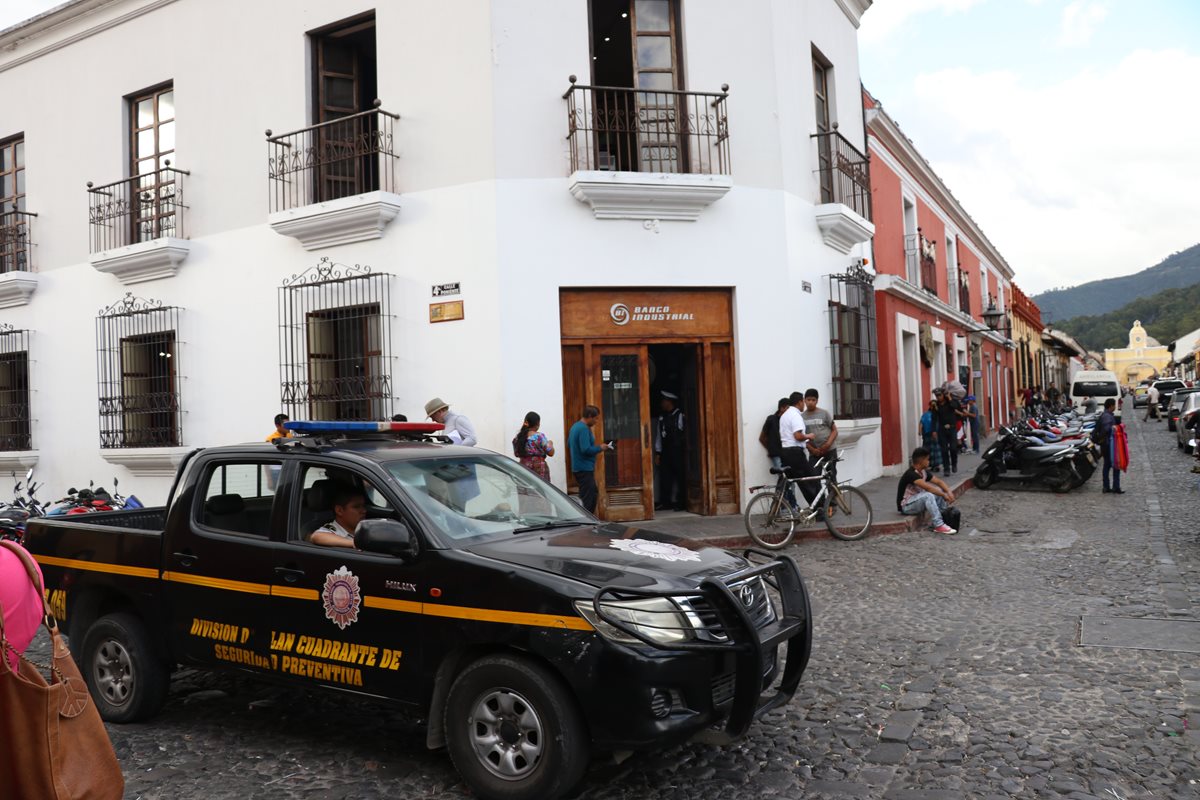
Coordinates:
[138,365]
[151,129]
[14,221]
[822,86]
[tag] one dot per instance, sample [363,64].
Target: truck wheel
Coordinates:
[126,677]
[513,731]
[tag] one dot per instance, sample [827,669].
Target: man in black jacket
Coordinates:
[1103,437]
[949,412]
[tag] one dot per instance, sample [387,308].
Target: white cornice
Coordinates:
[898,287]
[854,9]
[891,141]
[14,39]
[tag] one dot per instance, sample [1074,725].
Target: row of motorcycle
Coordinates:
[1049,448]
[25,505]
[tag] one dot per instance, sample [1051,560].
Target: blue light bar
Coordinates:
[348,426]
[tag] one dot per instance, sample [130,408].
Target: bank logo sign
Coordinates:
[622,315]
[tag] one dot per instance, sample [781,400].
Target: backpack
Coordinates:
[952,517]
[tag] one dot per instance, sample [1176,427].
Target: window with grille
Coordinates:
[14,221]
[138,364]
[335,344]
[14,390]
[853,344]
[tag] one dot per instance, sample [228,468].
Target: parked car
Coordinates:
[1141,396]
[1166,387]
[1188,426]
[529,634]
[1177,400]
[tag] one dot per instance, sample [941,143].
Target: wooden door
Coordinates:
[626,474]
[720,432]
[574,399]
[694,408]
[338,96]
[660,117]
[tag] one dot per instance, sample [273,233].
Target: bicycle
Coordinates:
[771,519]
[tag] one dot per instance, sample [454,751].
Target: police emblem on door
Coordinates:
[342,597]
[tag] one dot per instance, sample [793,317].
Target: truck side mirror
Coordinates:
[387,536]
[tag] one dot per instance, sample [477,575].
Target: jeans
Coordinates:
[948,441]
[928,503]
[589,494]
[797,460]
[1106,449]
[975,436]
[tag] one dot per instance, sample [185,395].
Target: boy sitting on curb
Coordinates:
[920,492]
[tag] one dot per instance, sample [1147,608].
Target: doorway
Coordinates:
[621,351]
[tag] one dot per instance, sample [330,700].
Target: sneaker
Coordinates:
[944,528]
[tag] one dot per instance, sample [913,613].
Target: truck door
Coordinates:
[344,618]
[217,568]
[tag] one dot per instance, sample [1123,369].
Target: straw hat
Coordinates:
[435,405]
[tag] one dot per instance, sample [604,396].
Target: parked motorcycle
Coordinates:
[1019,457]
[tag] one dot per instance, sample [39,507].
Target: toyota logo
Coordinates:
[619,313]
[746,595]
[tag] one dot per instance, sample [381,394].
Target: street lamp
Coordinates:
[994,317]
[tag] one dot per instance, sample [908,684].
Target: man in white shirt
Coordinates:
[792,438]
[458,427]
[1151,404]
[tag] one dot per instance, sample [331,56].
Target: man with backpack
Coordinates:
[949,412]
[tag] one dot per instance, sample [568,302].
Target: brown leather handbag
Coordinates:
[53,745]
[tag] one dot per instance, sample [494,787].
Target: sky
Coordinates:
[1066,128]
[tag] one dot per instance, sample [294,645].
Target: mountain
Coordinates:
[1166,316]
[1100,297]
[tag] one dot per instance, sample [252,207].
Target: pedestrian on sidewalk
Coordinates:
[280,432]
[949,414]
[793,438]
[971,414]
[820,424]
[532,447]
[1151,404]
[456,426]
[768,437]
[921,492]
[929,435]
[1104,435]
[582,447]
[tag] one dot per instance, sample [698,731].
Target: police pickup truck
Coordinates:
[529,634]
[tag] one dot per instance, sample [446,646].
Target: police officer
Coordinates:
[669,454]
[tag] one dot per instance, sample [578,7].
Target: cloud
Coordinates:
[885,19]
[1073,180]
[1080,19]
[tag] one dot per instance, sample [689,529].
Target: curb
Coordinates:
[906,525]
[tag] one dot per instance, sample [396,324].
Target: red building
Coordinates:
[938,280]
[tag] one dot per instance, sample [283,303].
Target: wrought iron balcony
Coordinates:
[964,294]
[611,128]
[340,158]
[844,172]
[15,241]
[138,209]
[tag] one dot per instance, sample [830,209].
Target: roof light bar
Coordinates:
[346,426]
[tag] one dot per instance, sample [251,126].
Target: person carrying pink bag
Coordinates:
[21,604]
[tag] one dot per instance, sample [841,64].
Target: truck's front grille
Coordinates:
[751,593]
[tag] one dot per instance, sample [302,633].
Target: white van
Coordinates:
[1099,385]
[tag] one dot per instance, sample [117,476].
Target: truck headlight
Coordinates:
[656,618]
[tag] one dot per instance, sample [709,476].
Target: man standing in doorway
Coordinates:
[458,427]
[793,438]
[581,444]
[820,424]
[669,447]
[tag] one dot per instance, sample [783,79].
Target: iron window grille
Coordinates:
[335,343]
[16,241]
[853,344]
[137,365]
[15,429]
[138,209]
[844,172]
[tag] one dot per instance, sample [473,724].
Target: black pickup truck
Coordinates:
[529,634]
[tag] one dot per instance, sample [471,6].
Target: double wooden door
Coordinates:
[616,378]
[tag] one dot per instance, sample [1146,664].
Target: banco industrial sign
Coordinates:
[622,314]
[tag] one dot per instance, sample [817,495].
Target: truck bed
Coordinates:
[138,519]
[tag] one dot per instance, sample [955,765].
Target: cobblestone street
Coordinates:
[944,667]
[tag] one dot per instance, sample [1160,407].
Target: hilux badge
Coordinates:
[341,597]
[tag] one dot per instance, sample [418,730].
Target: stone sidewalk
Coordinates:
[730,530]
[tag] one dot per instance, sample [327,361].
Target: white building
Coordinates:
[604,244]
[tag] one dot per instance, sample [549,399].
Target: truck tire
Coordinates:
[513,731]
[127,678]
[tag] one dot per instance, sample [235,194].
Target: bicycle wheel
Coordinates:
[848,514]
[764,524]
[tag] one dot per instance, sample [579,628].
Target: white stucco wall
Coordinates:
[482,176]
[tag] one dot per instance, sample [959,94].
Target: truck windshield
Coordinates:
[483,497]
[1095,389]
